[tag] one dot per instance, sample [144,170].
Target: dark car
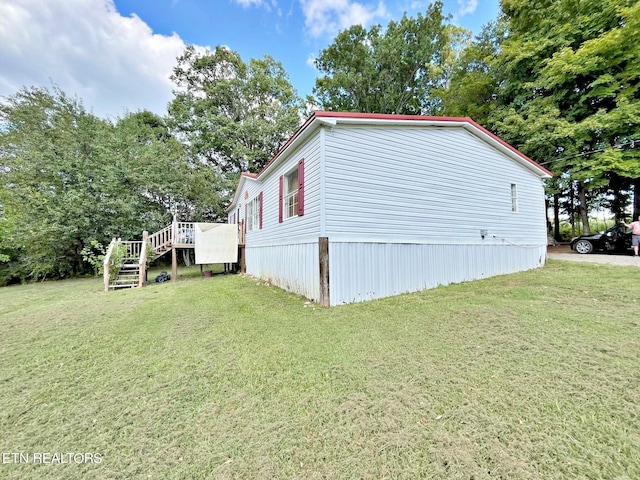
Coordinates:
[615,239]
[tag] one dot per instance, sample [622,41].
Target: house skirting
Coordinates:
[293,267]
[335,273]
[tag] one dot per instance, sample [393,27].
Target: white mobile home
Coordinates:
[362,206]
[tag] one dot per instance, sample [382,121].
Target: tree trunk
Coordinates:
[186,257]
[619,200]
[572,209]
[582,207]
[556,216]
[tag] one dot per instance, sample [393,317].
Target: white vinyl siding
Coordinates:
[296,229]
[426,185]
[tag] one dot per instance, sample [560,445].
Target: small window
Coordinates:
[514,197]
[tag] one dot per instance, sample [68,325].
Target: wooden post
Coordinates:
[174,254]
[107,261]
[174,264]
[323,249]
[241,260]
[142,264]
[105,277]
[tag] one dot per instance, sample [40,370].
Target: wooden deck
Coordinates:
[169,239]
[175,236]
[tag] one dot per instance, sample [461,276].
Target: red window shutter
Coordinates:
[260,211]
[281,199]
[301,188]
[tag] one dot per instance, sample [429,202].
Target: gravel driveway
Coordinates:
[563,252]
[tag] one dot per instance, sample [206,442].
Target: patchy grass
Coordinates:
[525,376]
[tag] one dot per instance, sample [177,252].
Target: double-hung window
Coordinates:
[254,213]
[292,193]
[514,198]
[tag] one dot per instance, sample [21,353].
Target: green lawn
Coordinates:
[527,376]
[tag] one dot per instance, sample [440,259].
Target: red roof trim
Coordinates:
[388,116]
[252,176]
[289,142]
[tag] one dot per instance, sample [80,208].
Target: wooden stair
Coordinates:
[128,276]
[178,234]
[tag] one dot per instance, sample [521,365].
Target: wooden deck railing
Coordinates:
[241,232]
[184,233]
[175,235]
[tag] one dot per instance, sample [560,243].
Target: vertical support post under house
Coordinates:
[323,250]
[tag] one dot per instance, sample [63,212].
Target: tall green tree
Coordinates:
[472,86]
[68,177]
[50,179]
[569,89]
[159,173]
[233,116]
[385,70]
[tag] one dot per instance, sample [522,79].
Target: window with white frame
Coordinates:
[290,194]
[253,214]
[514,198]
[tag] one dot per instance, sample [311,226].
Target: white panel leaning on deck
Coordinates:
[216,243]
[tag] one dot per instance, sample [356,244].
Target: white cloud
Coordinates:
[466,7]
[311,60]
[113,63]
[327,17]
[257,3]
[249,3]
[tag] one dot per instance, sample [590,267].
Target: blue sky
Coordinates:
[117,55]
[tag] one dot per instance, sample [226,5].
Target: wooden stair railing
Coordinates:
[142,262]
[107,265]
[161,241]
[128,277]
[131,272]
